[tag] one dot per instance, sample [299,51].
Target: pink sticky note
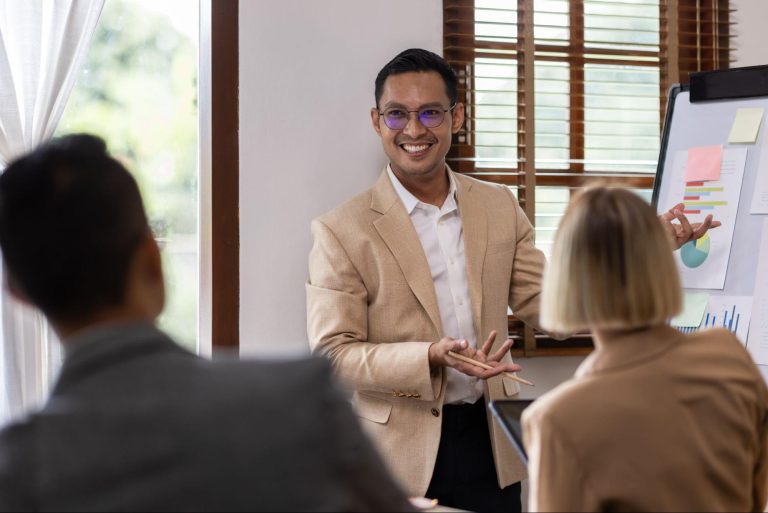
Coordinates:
[704,164]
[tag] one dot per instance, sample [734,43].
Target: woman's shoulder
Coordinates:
[722,353]
[718,340]
[569,400]
[721,334]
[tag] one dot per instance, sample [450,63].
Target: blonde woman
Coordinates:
[654,420]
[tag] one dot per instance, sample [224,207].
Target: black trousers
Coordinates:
[465,475]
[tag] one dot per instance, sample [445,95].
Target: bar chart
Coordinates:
[698,198]
[730,312]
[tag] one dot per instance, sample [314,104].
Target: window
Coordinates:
[142,70]
[138,90]
[560,93]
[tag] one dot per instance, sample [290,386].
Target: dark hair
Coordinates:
[417,59]
[71,219]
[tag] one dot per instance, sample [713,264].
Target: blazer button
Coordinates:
[435,412]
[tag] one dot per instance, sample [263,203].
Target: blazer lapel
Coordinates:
[475,224]
[398,233]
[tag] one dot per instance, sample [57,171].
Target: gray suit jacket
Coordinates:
[137,423]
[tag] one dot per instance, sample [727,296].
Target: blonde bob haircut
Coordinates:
[612,266]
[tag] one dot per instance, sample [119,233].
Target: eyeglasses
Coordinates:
[431,117]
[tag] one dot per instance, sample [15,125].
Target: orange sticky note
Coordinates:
[704,164]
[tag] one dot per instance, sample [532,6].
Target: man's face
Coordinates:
[415,151]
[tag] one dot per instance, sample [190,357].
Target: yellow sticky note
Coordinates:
[746,125]
[694,306]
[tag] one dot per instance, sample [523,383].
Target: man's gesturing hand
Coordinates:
[683,231]
[439,357]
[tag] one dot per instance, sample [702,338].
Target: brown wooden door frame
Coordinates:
[219,305]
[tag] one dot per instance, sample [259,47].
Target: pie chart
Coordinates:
[695,252]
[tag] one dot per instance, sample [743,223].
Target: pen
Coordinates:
[507,375]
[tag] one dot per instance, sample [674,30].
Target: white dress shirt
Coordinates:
[442,237]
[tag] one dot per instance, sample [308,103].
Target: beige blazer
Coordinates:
[372,310]
[654,421]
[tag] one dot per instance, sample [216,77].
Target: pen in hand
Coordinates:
[482,365]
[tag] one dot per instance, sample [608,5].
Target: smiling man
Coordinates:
[427,262]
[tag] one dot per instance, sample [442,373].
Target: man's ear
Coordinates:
[375,120]
[457,120]
[151,279]
[154,259]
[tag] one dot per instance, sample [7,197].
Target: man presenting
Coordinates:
[424,263]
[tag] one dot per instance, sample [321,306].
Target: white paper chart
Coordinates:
[703,263]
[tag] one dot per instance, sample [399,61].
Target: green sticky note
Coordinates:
[694,306]
[746,125]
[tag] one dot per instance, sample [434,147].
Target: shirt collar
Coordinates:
[411,202]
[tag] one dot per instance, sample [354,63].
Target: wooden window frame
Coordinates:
[219,306]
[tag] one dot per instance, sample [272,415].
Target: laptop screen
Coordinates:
[508,413]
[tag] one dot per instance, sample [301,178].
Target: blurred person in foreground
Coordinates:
[135,422]
[654,420]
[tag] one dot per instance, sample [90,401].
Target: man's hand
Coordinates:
[684,232]
[439,357]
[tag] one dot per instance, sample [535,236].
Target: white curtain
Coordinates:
[42,47]
[31,356]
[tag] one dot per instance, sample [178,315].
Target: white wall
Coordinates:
[307,69]
[751,45]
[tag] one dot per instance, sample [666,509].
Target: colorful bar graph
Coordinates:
[731,313]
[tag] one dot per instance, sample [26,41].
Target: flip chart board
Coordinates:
[722,109]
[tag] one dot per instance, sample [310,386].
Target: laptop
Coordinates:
[509,412]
